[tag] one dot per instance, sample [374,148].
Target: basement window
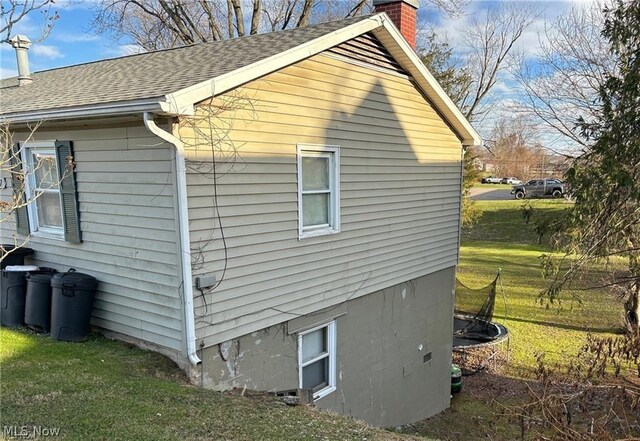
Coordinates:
[318,190]
[317,360]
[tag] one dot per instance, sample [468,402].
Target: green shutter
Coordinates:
[17,181]
[68,193]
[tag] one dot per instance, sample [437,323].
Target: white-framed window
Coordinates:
[318,190]
[43,188]
[317,360]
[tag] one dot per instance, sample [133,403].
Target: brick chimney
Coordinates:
[403,14]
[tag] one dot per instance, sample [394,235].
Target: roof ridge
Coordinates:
[244,37]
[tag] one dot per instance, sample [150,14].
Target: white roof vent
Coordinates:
[21,44]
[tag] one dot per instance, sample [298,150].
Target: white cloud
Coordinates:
[26,26]
[503,89]
[46,51]
[125,49]
[8,72]
[455,31]
[67,37]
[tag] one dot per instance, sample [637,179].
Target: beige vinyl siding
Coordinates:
[400,195]
[367,49]
[127,211]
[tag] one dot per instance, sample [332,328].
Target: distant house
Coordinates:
[278,212]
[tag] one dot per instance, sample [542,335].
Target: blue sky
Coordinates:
[72,41]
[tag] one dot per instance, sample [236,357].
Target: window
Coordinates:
[317,360]
[43,188]
[318,190]
[48,188]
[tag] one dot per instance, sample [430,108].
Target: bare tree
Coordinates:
[490,50]
[13,11]
[450,8]
[470,76]
[562,82]
[161,24]
[487,51]
[515,151]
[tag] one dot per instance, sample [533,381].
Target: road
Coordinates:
[491,194]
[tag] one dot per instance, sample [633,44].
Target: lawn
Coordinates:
[495,186]
[503,240]
[102,389]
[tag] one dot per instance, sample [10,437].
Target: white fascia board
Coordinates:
[184,98]
[404,54]
[107,109]
[182,101]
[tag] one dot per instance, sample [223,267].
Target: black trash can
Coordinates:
[16,255]
[71,305]
[13,291]
[37,310]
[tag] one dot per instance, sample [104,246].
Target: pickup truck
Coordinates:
[537,188]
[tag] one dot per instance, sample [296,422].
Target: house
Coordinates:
[278,212]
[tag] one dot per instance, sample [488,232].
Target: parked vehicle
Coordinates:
[537,188]
[511,181]
[491,180]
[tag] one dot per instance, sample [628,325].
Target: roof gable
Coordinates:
[153,74]
[170,82]
[368,50]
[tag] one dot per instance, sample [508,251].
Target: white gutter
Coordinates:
[183,222]
[97,110]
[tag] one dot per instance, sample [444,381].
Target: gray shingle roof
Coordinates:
[152,74]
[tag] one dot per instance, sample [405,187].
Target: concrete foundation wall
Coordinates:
[393,353]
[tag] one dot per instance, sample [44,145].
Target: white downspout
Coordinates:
[185,246]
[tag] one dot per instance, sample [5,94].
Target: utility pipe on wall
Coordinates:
[185,245]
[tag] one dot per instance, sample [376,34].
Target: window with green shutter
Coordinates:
[47,186]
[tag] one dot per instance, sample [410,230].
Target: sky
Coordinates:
[72,41]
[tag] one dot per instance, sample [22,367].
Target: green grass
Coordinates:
[503,240]
[495,186]
[101,389]
[502,221]
[468,418]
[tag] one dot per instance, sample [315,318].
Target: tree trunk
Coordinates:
[230,30]
[304,15]
[237,9]
[632,312]
[255,18]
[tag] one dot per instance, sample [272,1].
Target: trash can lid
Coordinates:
[17,250]
[44,270]
[43,275]
[73,279]
[19,268]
